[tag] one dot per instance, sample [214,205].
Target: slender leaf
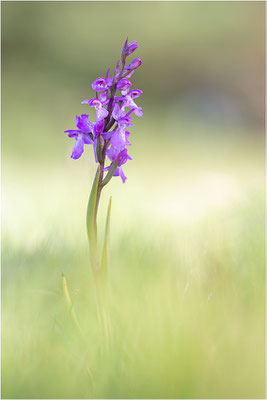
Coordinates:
[69,303]
[90,220]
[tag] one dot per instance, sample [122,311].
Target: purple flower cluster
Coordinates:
[109,133]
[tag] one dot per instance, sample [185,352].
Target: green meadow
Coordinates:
[185,300]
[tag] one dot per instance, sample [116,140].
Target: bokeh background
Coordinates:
[186,270]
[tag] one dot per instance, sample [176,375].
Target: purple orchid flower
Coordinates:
[81,135]
[101,112]
[118,141]
[123,157]
[121,117]
[127,100]
[101,84]
[109,133]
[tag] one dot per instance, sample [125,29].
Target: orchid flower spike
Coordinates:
[107,133]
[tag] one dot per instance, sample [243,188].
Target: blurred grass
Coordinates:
[186,280]
[186,273]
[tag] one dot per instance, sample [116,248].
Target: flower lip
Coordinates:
[138,112]
[78,148]
[117,112]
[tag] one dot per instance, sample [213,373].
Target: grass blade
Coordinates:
[69,303]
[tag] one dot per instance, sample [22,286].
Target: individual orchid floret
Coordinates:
[121,117]
[126,120]
[134,64]
[122,159]
[124,84]
[82,135]
[101,84]
[119,140]
[129,94]
[118,143]
[101,112]
[128,101]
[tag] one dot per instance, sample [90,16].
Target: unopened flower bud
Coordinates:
[117,70]
[107,74]
[134,64]
[131,48]
[123,52]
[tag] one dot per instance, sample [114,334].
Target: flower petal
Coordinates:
[103,96]
[72,132]
[116,114]
[118,139]
[121,173]
[84,124]
[98,128]
[78,148]
[101,113]
[138,112]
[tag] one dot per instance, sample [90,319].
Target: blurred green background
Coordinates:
[186,272]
